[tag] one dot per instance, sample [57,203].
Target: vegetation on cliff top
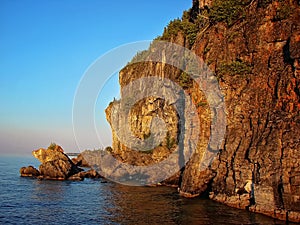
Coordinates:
[191,24]
[186,25]
[227,10]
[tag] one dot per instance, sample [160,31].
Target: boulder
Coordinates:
[92,174]
[58,169]
[55,164]
[29,171]
[76,177]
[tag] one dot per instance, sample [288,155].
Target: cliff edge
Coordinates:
[253,47]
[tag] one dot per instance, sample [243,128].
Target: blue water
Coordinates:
[31,201]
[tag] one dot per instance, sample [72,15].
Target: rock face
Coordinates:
[255,55]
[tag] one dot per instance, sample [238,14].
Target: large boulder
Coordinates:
[58,169]
[55,164]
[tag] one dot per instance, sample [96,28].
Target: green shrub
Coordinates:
[264,3]
[52,146]
[189,28]
[140,56]
[227,10]
[202,104]
[206,49]
[185,80]
[147,151]
[235,68]
[173,28]
[170,142]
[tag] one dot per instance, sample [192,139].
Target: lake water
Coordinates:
[31,201]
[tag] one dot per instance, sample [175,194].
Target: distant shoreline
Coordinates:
[72,154]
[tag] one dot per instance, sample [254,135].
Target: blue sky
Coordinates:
[45,48]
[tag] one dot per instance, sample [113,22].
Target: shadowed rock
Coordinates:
[80,161]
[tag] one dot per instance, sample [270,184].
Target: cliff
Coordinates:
[253,47]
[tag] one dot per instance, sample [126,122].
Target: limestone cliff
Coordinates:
[254,49]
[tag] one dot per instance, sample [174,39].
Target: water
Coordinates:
[31,201]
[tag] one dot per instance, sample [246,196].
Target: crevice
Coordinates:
[280,193]
[296,89]
[276,89]
[181,112]
[269,63]
[205,194]
[232,164]
[256,173]
[287,55]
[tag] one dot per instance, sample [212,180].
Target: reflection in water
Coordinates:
[148,205]
[144,205]
[45,190]
[31,201]
[51,195]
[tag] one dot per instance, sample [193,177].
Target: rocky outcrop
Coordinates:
[255,54]
[56,165]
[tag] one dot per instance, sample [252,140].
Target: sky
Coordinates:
[47,46]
